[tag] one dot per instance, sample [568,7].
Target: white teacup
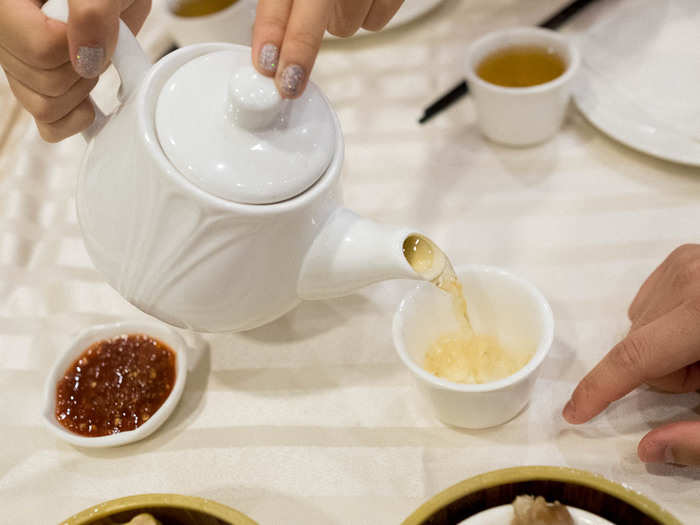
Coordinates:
[499,304]
[521,116]
[232,24]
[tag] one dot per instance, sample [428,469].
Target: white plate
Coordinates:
[640,75]
[409,11]
[504,514]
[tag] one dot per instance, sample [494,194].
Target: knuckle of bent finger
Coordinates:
[684,253]
[88,13]
[629,354]
[46,52]
[693,305]
[44,110]
[342,32]
[687,274]
[56,83]
[340,28]
[273,22]
[584,391]
[694,269]
[374,23]
[304,43]
[680,251]
[374,27]
[49,133]
[145,5]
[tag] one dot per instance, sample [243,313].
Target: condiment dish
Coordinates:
[92,335]
[499,304]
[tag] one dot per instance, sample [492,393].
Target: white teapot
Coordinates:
[210,203]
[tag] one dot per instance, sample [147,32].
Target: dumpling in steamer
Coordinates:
[144,519]
[536,511]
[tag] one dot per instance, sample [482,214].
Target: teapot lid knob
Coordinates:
[254,102]
[225,128]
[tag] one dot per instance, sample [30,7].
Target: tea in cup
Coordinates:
[501,306]
[521,82]
[197,21]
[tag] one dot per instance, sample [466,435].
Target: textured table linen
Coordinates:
[313,419]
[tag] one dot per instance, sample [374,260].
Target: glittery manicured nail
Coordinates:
[291,80]
[268,58]
[89,60]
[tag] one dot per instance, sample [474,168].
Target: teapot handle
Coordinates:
[128,58]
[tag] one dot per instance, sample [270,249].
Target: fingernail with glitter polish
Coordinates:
[269,57]
[89,60]
[291,80]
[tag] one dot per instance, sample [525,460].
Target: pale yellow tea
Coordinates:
[462,356]
[466,357]
[521,66]
[190,8]
[419,253]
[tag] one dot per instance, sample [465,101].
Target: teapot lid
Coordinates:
[227,130]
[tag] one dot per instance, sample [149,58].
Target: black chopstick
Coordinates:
[453,95]
[559,18]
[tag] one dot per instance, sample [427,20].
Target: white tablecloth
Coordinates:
[313,419]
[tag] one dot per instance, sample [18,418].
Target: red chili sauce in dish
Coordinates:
[116,385]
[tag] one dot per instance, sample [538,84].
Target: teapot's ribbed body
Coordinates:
[176,252]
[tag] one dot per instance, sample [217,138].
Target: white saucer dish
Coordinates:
[97,333]
[409,11]
[504,514]
[639,77]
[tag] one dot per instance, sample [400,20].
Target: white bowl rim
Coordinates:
[503,34]
[541,352]
[96,333]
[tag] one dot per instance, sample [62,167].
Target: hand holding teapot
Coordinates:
[211,203]
[51,67]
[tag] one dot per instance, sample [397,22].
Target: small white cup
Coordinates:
[521,116]
[233,24]
[160,331]
[499,304]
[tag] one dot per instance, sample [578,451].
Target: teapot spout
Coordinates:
[351,252]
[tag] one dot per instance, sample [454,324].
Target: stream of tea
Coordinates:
[462,356]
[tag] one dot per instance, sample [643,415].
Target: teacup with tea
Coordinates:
[521,82]
[476,359]
[197,21]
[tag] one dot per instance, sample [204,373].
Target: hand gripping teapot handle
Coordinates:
[128,58]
